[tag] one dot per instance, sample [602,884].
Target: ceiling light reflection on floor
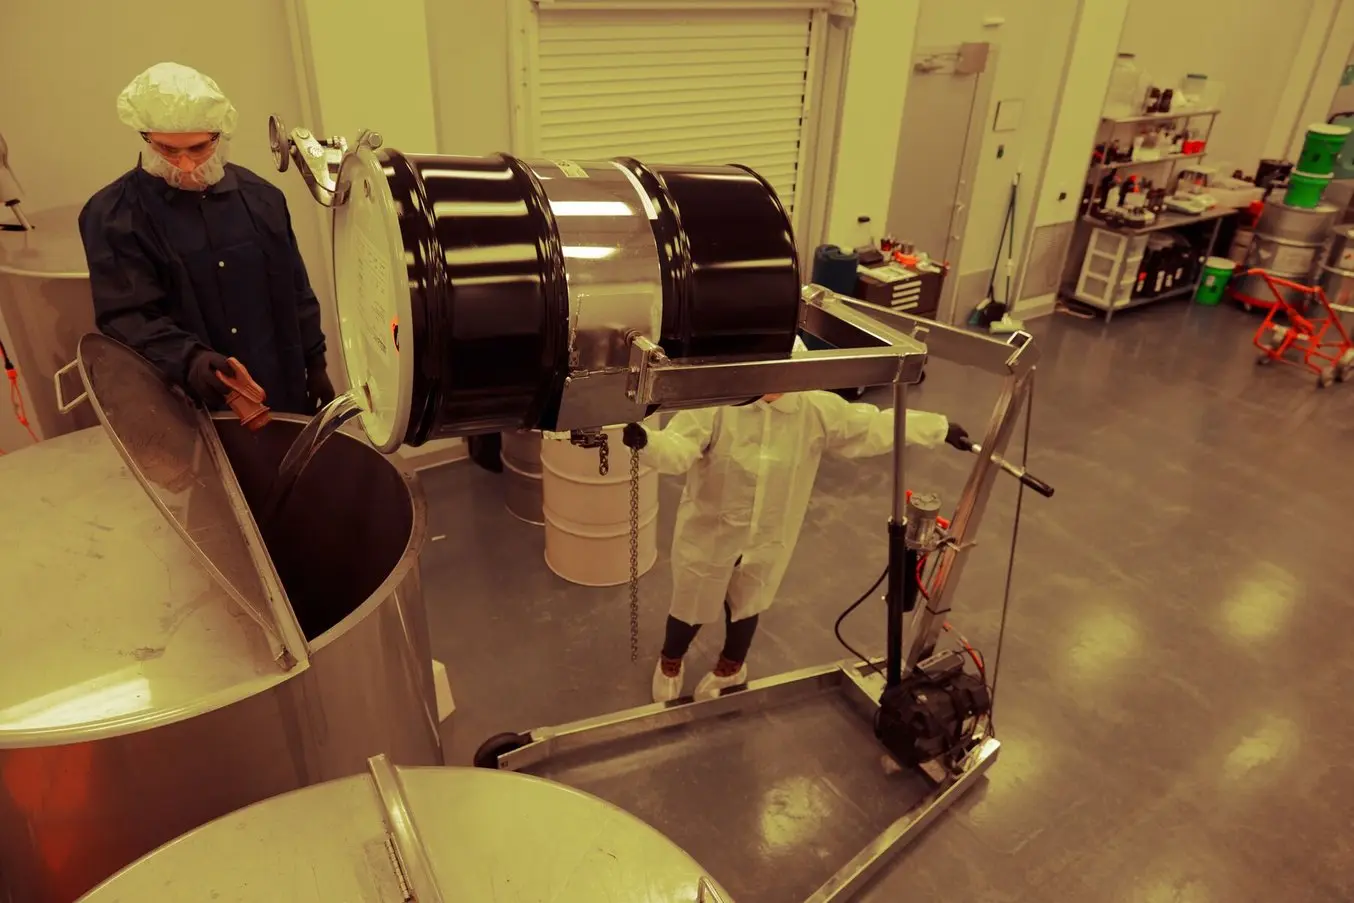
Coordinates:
[1261,603]
[1014,782]
[1102,641]
[793,811]
[1275,739]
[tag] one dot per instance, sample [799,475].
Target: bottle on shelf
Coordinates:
[1121,100]
[1112,195]
[1193,94]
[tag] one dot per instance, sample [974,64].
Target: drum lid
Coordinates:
[459,833]
[1327,128]
[173,450]
[375,311]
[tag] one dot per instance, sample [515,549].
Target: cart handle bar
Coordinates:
[1276,280]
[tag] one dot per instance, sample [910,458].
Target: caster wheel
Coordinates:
[498,745]
[1326,378]
[1275,337]
[1263,360]
[1344,367]
[1247,307]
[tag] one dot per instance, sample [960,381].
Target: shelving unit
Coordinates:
[1124,164]
[1110,267]
[1101,273]
[1162,117]
[1108,126]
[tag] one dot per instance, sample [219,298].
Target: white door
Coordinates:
[665,84]
[937,160]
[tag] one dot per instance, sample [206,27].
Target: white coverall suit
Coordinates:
[752,470]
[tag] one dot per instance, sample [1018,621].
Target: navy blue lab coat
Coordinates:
[173,271]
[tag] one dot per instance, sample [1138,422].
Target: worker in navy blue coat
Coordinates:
[192,260]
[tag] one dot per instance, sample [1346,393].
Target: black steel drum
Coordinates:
[479,294]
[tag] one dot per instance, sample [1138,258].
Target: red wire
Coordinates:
[973,653]
[16,401]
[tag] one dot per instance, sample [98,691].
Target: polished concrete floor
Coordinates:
[1173,691]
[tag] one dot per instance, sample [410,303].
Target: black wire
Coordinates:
[837,628]
[1010,563]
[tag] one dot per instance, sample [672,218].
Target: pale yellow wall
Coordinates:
[65,63]
[468,43]
[370,70]
[872,106]
[1248,45]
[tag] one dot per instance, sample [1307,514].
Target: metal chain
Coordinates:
[604,457]
[634,555]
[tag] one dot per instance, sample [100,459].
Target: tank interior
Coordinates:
[345,527]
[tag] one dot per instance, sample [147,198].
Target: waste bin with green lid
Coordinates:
[1305,189]
[1321,148]
[1217,273]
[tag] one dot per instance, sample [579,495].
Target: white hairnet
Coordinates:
[172,98]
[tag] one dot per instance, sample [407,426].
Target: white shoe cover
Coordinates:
[711,684]
[666,689]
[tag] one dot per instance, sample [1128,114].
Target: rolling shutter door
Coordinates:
[705,87]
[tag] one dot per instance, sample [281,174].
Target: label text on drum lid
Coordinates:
[373,281]
[570,169]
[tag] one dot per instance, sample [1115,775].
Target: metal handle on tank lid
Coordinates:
[706,892]
[317,159]
[246,397]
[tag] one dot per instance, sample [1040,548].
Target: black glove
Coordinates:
[957,436]
[319,390]
[635,436]
[203,380]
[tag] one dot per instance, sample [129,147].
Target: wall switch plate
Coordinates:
[1008,115]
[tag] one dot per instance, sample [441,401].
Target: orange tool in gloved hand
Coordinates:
[246,396]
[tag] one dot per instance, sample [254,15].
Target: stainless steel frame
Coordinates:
[878,346]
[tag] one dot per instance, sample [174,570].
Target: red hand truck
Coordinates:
[1314,332]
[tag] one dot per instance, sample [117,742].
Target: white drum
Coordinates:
[521,457]
[587,513]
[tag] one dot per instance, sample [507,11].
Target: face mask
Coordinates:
[203,176]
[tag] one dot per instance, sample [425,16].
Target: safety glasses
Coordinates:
[196,152]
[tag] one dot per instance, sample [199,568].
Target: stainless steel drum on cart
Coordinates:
[1337,275]
[1287,243]
[163,660]
[435,835]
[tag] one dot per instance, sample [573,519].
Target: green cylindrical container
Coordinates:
[1321,147]
[1217,273]
[1305,189]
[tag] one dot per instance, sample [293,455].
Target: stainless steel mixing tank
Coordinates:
[162,663]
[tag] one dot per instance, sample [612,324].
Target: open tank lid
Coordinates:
[375,310]
[175,453]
